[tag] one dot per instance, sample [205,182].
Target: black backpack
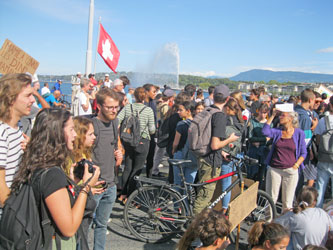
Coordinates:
[163,134]
[22,225]
[130,129]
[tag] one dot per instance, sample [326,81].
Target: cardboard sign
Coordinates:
[243,205]
[15,60]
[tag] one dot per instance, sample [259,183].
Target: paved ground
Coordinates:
[119,238]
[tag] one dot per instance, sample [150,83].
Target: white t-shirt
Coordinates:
[83,100]
[108,84]
[45,90]
[10,150]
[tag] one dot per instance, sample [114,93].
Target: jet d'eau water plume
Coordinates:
[161,69]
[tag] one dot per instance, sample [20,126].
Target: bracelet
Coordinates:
[84,191]
[296,164]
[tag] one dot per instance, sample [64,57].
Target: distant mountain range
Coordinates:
[282,76]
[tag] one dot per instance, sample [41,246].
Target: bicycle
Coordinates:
[157,211]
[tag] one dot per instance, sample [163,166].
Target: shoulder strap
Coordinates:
[327,122]
[142,109]
[115,134]
[131,109]
[187,122]
[47,228]
[96,128]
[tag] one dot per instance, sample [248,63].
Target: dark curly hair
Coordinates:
[47,146]
[207,226]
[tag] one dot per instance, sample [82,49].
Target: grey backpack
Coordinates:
[200,132]
[325,151]
[130,129]
[235,147]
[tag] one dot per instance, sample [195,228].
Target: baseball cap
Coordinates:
[222,89]
[106,75]
[117,82]
[168,92]
[79,73]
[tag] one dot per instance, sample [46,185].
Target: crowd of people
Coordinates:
[113,130]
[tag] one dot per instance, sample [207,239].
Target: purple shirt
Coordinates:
[284,154]
[276,134]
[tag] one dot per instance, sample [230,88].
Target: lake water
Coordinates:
[66,88]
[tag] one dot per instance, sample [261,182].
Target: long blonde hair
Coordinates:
[81,127]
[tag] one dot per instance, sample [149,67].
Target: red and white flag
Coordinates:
[107,49]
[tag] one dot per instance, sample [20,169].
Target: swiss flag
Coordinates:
[107,49]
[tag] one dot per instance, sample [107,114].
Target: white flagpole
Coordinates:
[99,22]
[90,36]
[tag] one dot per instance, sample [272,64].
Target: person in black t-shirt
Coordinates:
[210,165]
[51,141]
[180,147]
[174,119]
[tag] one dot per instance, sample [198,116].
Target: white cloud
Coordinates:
[326,50]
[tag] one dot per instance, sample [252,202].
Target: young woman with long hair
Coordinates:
[237,95]
[51,142]
[258,143]
[82,149]
[234,116]
[211,227]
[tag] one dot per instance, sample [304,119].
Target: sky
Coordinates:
[214,37]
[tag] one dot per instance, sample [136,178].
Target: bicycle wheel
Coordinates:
[154,214]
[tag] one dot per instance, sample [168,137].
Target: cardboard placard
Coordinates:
[15,60]
[243,205]
[234,192]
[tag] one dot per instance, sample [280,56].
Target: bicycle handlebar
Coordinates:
[245,158]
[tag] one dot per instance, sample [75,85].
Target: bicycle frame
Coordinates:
[238,163]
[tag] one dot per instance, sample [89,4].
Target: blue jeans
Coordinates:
[189,174]
[105,202]
[324,174]
[190,170]
[226,168]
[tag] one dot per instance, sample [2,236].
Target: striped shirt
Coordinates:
[10,150]
[146,118]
